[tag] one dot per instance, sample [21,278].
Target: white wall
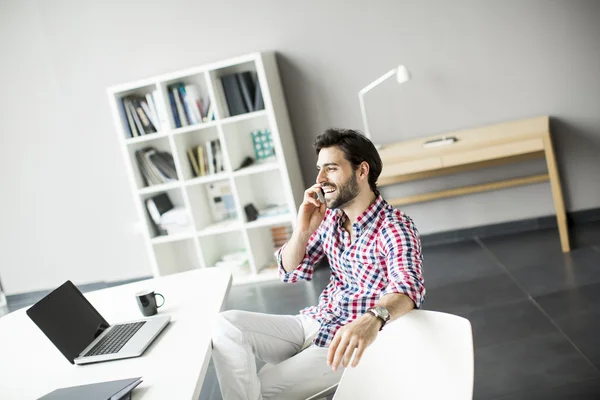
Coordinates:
[67,208]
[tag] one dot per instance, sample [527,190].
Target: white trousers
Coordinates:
[300,369]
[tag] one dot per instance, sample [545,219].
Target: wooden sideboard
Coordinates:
[476,148]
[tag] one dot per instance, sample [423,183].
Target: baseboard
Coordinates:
[507,228]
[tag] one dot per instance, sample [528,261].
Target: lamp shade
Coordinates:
[402,74]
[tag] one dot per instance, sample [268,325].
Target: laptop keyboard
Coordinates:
[115,339]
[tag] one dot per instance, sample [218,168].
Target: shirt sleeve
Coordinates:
[401,247]
[304,271]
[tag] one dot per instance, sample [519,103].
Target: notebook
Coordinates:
[111,390]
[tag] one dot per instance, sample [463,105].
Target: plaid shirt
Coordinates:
[384,258]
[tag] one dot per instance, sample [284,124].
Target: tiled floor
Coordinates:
[535,312]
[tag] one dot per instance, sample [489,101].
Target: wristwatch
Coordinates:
[380,312]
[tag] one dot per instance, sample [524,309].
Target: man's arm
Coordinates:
[294,251]
[297,258]
[360,333]
[402,248]
[397,304]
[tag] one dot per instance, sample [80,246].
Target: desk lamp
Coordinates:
[402,76]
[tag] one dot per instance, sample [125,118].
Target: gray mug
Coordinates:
[146,300]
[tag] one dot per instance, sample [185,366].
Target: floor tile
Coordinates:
[528,364]
[583,329]
[586,390]
[507,323]
[581,300]
[577,313]
[452,263]
[589,233]
[578,268]
[528,248]
[464,297]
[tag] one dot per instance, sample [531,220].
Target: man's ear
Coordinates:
[364,170]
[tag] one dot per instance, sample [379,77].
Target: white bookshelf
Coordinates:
[277,181]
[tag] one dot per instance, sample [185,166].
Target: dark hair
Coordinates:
[356,147]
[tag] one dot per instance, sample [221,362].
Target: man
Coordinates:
[374,253]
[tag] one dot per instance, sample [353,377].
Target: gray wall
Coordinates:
[67,209]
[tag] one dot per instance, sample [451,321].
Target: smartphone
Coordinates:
[321,195]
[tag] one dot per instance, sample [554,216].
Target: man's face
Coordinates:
[337,177]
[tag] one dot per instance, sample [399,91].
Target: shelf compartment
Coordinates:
[190,141]
[190,107]
[216,246]
[177,256]
[239,139]
[228,85]
[160,143]
[141,111]
[262,190]
[177,199]
[212,203]
[265,241]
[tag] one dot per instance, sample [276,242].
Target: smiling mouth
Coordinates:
[328,190]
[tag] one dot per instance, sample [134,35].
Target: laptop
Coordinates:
[83,336]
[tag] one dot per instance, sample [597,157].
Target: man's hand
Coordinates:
[357,335]
[311,212]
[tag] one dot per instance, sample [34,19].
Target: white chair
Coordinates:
[422,355]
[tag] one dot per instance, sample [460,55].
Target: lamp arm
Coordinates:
[361,99]
[363,112]
[378,81]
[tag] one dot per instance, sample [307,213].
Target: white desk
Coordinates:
[173,367]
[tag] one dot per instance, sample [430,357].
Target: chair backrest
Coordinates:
[422,355]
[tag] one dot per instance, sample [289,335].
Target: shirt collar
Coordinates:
[367,217]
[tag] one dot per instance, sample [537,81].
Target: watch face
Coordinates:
[383,312]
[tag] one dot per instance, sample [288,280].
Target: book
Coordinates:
[246,85]
[193,162]
[155,166]
[159,109]
[146,124]
[210,157]
[206,107]
[186,106]
[165,164]
[152,114]
[174,109]
[210,113]
[218,156]
[125,120]
[179,107]
[110,390]
[233,95]
[136,118]
[258,99]
[202,164]
[192,99]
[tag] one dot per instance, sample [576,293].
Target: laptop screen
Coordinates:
[68,319]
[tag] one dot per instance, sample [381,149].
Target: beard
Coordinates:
[346,193]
